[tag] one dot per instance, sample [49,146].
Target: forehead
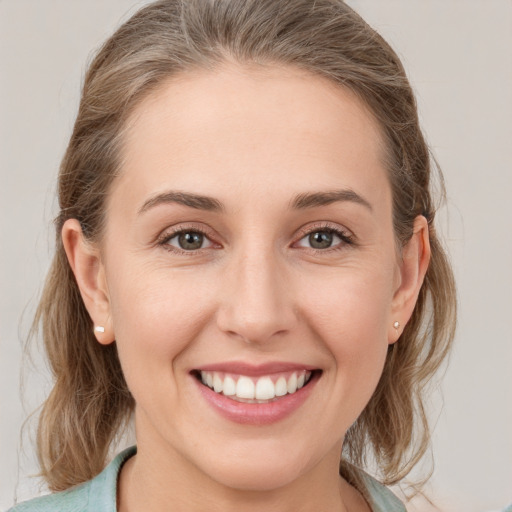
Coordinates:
[276,125]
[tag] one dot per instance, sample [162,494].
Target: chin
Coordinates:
[256,476]
[257,464]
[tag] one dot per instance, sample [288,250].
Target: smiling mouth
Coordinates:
[255,390]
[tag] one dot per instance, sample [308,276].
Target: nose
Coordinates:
[257,300]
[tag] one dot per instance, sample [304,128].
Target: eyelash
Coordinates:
[347,239]
[164,240]
[345,236]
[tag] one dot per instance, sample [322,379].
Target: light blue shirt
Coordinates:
[100,494]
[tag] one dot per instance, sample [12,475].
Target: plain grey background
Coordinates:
[458,54]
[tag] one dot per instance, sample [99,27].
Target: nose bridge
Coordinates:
[257,304]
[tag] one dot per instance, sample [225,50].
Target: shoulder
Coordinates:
[72,500]
[380,498]
[96,495]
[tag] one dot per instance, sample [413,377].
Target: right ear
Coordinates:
[84,259]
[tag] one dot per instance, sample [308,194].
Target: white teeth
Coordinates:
[229,386]
[265,389]
[245,388]
[281,387]
[292,383]
[249,388]
[217,383]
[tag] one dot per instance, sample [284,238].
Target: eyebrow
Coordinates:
[299,202]
[185,198]
[313,199]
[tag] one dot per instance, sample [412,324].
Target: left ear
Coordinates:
[413,265]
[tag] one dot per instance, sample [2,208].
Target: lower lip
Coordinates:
[257,414]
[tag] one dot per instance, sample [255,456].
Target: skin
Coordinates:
[257,291]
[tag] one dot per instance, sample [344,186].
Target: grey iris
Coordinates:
[190,240]
[320,239]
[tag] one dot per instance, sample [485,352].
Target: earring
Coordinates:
[396,325]
[99,328]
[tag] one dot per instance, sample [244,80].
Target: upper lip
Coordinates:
[254,370]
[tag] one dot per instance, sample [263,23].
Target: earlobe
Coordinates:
[84,259]
[414,263]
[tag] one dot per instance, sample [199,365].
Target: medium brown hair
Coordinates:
[90,401]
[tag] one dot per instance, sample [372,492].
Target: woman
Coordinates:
[246,263]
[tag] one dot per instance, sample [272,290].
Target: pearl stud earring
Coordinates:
[99,328]
[396,325]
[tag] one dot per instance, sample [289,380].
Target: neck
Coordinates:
[160,477]
[146,484]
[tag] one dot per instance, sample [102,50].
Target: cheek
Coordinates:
[351,315]
[351,304]
[156,316]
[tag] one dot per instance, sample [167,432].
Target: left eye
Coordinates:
[189,241]
[321,239]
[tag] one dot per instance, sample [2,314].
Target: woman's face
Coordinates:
[249,244]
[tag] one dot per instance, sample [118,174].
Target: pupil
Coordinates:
[320,239]
[190,240]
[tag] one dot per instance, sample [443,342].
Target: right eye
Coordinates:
[187,240]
